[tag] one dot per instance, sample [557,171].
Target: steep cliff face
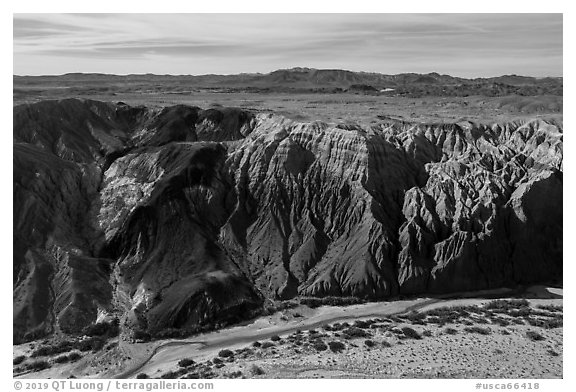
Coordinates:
[177,217]
[397,208]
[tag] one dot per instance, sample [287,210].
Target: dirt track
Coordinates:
[247,334]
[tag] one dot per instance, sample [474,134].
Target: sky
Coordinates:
[466,45]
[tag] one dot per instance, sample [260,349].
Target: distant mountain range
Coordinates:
[320,80]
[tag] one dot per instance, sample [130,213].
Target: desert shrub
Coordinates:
[173,374]
[427,333]
[534,336]
[216,361]
[94,343]
[545,323]
[314,302]
[522,312]
[256,344]
[551,308]
[414,316]
[507,304]
[327,327]
[274,338]
[142,376]
[498,351]
[553,353]
[336,346]
[19,359]
[185,362]
[61,359]
[450,331]
[479,320]
[225,353]
[478,330]
[411,333]
[74,356]
[386,344]
[505,332]
[256,370]
[59,348]
[362,324]
[267,344]
[110,329]
[235,374]
[501,321]
[355,332]
[173,333]
[36,366]
[319,345]
[369,343]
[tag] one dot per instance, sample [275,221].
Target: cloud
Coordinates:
[470,44]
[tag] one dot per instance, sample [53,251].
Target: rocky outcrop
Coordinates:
[177,217]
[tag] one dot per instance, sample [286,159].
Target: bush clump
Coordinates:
[355,332]
[185,362]
[369,343]
[478,330]
[450,331]
[319,345]
[141,376]
[336,346]
[411,333]
[534,336]
[274,338]
[58,348]
[256,370]
[110,329]
[19,359]
[225,353]
[38,365]
[256,344]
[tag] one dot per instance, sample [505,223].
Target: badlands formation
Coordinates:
[169,219]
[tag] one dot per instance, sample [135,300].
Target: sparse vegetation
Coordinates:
[38,365]
[19,359]
[225,353]
[534,336]
[109,329]
[551,308]
[185,362]
[450,331]
[319,345]
[478,330]
[411,333]
[336,346]
[256,370]
[369,343]
[314,302]
[355,332]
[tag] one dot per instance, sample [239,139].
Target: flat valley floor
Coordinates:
[420,338]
